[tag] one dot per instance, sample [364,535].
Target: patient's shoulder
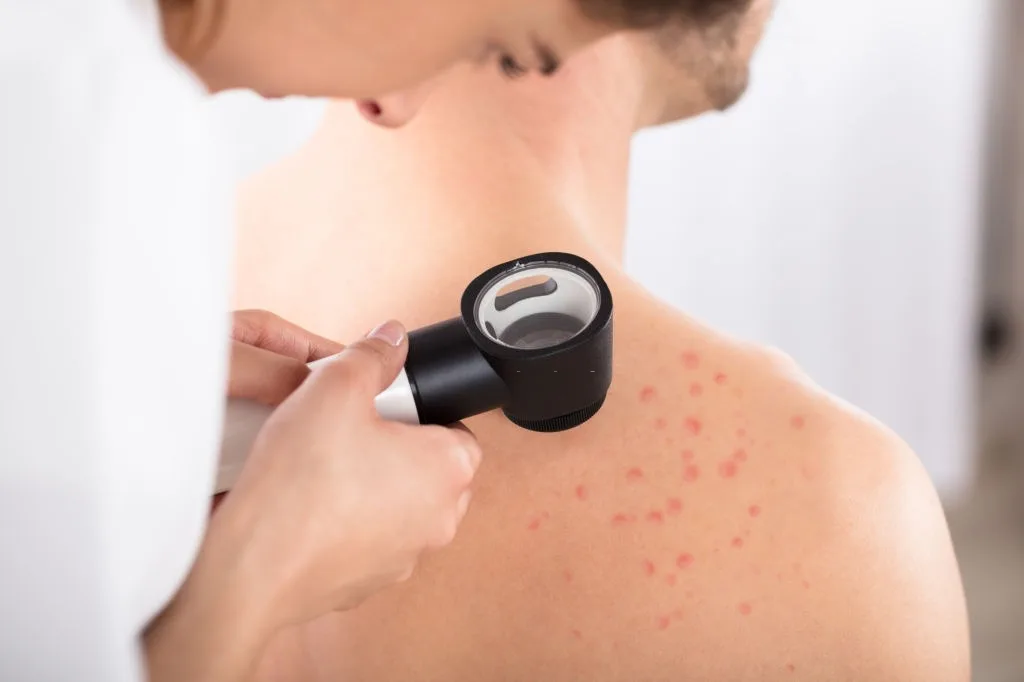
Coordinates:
[856,504]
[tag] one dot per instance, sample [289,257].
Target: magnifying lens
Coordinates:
[534,339]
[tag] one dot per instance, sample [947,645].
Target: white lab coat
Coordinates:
[114,281]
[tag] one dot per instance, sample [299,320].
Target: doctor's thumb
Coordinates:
[371,364]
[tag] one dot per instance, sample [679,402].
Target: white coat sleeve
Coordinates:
[114,270]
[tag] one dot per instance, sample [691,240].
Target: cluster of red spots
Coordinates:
[740,455]
[727,469]
[691,473]
[649,569]
[693,425]
[623,519]
[635,474]
[737,542]
[797,422]
[690,360]
[647,394]
[581,492]
[754,511]
[660,423]
[696,390]
[674,505]
[684,560]
[745,609]
[655,516]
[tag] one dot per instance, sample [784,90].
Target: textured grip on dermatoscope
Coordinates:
[243,420]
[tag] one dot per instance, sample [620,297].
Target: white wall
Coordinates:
[834,213]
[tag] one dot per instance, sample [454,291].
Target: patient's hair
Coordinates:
[645,14]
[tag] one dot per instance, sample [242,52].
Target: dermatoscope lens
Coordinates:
[538,306]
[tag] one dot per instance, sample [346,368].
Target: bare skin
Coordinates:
[721,518]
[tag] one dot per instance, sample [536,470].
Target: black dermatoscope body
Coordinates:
[534,338]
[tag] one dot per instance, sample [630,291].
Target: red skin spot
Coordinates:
[534,525]
[674,505]
[738,393]
[790,668]
[567,575]
[692,473]
[745,609]
[737,542]
[693,426]
[577,634]
[660,423]
[649,568]
[696,390]
[647,394]
[634,474]
[721,378]
[664,622]
[797,423]
[623,519]
[684,560]
[678,614]
[727,469]
[670,579]
[740,455]
[581,492]
[806,585]
[656,517]
[688,455]
[754,511]
[690,360]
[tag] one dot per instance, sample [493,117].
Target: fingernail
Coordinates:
[391,332]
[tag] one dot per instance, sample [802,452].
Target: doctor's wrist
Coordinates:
[218,624]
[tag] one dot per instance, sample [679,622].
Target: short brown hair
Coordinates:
[647,14]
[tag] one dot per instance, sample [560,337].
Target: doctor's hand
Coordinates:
[338,502]
[333,505]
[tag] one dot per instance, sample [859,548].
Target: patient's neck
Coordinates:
[490,171]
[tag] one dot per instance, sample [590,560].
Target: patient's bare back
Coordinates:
[721,518]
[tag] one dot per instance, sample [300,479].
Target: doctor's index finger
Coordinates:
[263,329]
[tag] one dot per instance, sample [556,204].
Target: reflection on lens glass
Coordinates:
[541,330]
